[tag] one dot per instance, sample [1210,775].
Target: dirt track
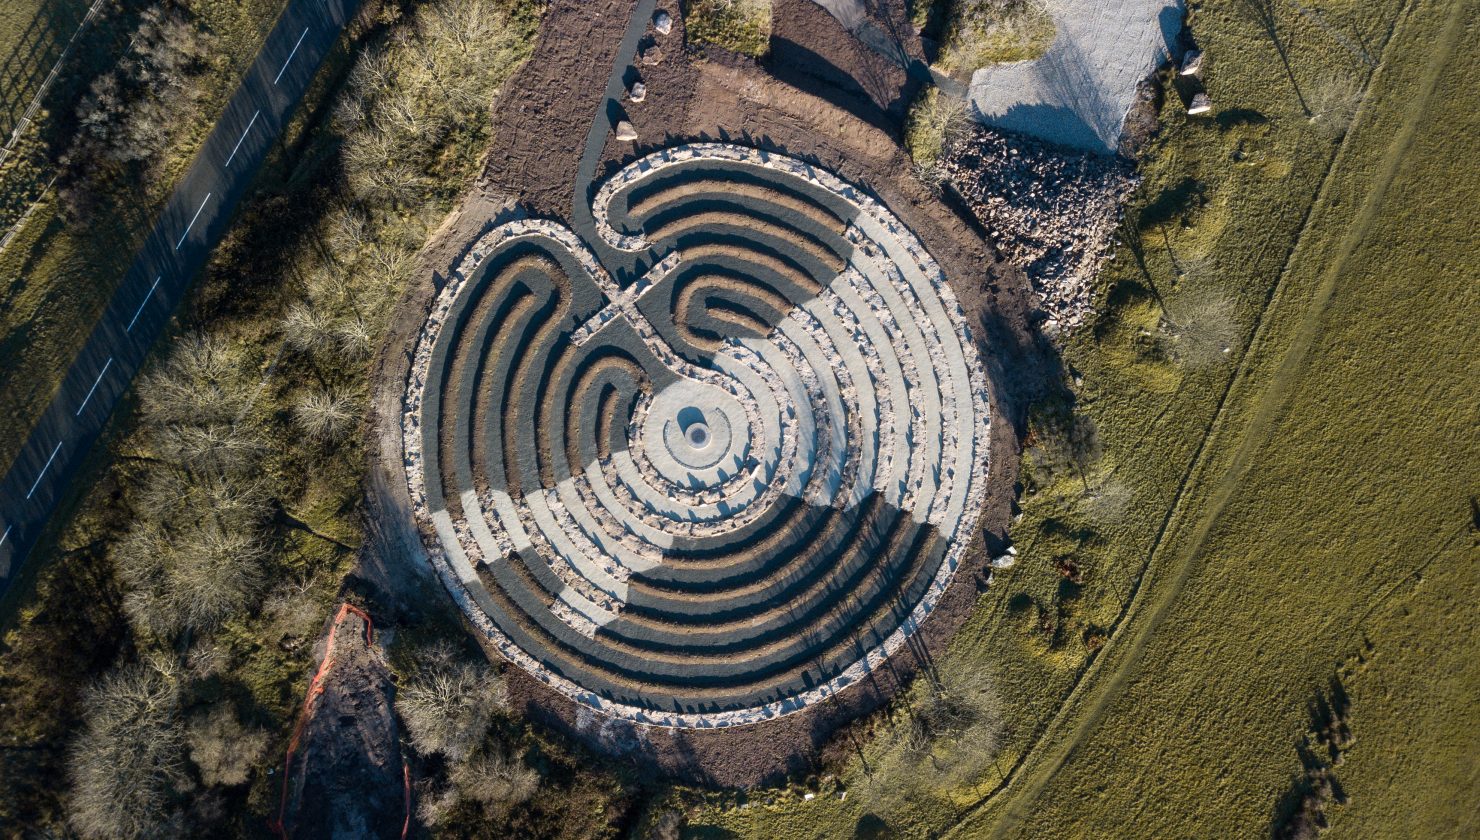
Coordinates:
[846,126]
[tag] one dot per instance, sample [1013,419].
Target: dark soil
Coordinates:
[346,775]
[823,97]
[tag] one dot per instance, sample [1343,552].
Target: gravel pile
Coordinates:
[1051,211]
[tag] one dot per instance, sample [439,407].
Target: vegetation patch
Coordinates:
[740,26]
[934,120]
[1301,558]
[973,34]
[130,107]
[231,511]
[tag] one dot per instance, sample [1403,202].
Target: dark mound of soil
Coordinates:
[345,776]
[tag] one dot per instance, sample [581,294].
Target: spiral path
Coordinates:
[724,489]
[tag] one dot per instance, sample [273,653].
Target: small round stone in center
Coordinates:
[698,435]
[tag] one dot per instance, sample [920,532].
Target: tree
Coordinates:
[956,723]
[448,705]
[222,748]
[191,576]
[324,415]
[127,764]
[307,328]
[495,779]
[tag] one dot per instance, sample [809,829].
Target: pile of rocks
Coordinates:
[1051,211]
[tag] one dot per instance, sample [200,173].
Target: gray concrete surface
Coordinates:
[1078,93]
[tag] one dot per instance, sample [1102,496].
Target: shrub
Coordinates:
[934,121]
[129,115]
[448,705]
[222,749]
[741,26]
[127,764]
[496,780]
[324,415]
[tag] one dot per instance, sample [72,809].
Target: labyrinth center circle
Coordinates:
[724,488]
[701,431]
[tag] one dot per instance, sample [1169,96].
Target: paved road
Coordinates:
[190,225]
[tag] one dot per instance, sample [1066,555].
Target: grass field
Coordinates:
[1278,385]
[33,34]
[56,277]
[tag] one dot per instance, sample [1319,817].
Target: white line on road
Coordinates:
[45,468]
[6,534]
[95,386]
[243,137]
[192,221]
[290,55]
[140,310]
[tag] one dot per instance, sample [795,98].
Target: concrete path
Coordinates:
[193,220]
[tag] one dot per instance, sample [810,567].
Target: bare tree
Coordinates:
[222,748]
[448,705]
[126,764]
[495,779]
[324,415]
[307,328]
[191,580]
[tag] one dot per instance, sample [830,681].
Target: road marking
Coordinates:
[95,386]
[6,534]
[45,468]
[290,55]
[140,310]
[192,221]
[243,137]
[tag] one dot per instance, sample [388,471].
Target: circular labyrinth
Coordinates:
[724,488]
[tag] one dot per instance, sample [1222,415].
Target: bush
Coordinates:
[496,780]
[980,33]
[129,115]
[324,416]
[934,121]
[448,705]
[222,749]
[741,26]
[127,764]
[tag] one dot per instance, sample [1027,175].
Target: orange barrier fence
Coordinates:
[315,688]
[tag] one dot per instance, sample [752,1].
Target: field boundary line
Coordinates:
[1197,466]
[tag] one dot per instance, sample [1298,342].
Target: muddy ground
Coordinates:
[822,97]
[345,774]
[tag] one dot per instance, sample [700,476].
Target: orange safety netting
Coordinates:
[315,688]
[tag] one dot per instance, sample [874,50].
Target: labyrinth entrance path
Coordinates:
[718,491]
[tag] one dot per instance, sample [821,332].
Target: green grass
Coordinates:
[979,33]
[33,34]
[1230,554]
[740,26]
[59,276]
[1329,528]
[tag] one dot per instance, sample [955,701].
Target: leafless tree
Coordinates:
[126,764]
[222,748]
[495,779]
[324,415]
[307,328]
[449,704]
